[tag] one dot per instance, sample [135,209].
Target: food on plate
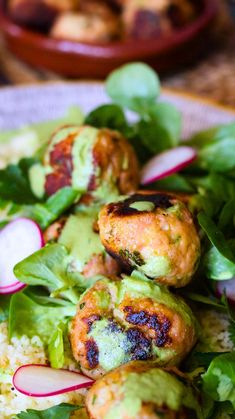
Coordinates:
[141,390]
[39,13]
[66,304]
[132,319]
[151,19]
[95,22]
[105,21]
[91,160]
[153,232]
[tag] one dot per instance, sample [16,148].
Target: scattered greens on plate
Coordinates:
[203,171]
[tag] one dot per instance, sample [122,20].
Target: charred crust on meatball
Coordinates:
[92,353]
[61,160]
[141,347]
[161,326]
[123,208]
[33,13]
[90,320]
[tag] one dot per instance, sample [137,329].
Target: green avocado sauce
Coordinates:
[83,164]
[156,266]
[113,345]
[143,206]
[80,239]
[37,177]
[154,386]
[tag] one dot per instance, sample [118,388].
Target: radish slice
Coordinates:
[19,239]
[228,287]
[11,290]
[167,163]
[43,381]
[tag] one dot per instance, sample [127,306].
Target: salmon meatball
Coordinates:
[140,390]
[94,22]
[154,18]
[39,13]
[153,232]
[98,161]
[130,319]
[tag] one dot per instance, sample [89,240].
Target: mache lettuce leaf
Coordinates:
[27,317]
[217,266]
[56,347]
[108,116]
[215,236]
[4,307]
[134,86]
[160,127]
[52,268]
[219,379]
[14,183]
[62,411]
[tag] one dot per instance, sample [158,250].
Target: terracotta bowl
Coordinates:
[76,59]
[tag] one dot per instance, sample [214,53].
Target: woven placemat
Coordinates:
[213,77]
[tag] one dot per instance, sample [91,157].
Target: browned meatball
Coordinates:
[98,161]
[94,22]
[130,319]
[153,18]
[140,390]
[153,232]
[39,13]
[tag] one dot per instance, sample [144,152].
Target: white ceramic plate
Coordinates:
[30,104]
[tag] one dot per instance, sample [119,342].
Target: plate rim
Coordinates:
[176,92]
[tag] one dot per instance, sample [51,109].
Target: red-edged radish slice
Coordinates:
[11,290]
[167,163]
[227,287]
[18,240]
[43,381]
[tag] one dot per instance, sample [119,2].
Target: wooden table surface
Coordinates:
[213,76]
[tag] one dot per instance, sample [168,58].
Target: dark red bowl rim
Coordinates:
[127,49]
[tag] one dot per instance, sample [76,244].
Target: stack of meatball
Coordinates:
[104,20]
[131,330]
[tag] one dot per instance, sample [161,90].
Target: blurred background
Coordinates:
[190,42]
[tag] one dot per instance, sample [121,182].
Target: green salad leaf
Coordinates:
[56,347]
[215,236]
[200,360]
[160,127]
[218,156]
[134,86]
[108,116]
[217,266]
[174,183]
[56,205]
[4,307]
[26,317]
[14,183]
[216,151]
[51,267]
[62,411]
[219,379]
[227,215]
